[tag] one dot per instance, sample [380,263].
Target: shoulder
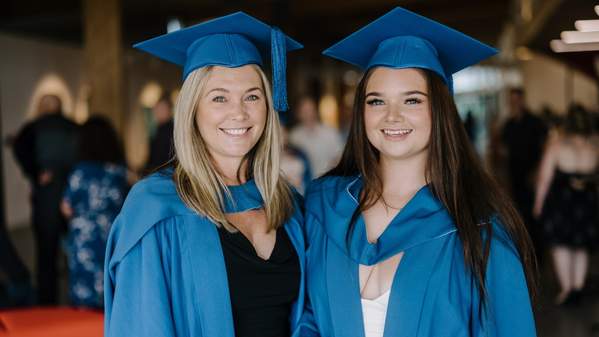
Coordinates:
[328,194]
[157,196]
[502,247]
[151,201]
[328,185]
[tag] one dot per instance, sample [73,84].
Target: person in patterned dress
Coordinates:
[95,192]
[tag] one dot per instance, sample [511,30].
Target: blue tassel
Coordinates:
[278,56]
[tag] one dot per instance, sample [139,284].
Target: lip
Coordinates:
[236,132]
[396,133]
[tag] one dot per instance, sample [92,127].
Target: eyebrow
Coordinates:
[227,91]
[406,93]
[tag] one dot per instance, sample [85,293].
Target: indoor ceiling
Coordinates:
[316,23]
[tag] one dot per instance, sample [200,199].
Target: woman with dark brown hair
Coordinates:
[408,235]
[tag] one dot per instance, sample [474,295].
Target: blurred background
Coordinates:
[84,115]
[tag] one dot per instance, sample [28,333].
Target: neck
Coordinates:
[402,177]
[228,168]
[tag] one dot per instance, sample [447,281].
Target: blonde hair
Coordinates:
[198,181]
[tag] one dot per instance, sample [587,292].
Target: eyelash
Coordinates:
[222,99]
[409,101]
[252,98]
[374,102]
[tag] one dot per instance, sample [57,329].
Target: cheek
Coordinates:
[258,113]
[372,119]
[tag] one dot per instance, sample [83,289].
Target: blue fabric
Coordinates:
[95,191]
[403,39]
[232,40]
[165,273]
[433,293]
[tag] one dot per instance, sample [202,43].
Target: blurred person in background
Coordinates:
[95,192]
[45,149]
[566,201]
[322,144]
[523,137]
[294,163]
[17,289]
[161,145]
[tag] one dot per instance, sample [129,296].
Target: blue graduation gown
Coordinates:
[165,274]
[432,294]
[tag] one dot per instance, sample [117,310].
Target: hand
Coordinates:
[66,209]
[44,178]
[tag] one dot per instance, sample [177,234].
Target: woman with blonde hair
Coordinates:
[212,246]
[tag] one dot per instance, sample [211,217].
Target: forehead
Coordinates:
[234,78]
[403,78]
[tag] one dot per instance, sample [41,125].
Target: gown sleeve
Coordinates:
[307,325]
[508,308]
[137,285]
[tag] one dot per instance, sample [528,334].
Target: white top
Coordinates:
[322,144]
[374,313]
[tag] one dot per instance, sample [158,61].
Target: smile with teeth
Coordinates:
[396,132]
[235,131]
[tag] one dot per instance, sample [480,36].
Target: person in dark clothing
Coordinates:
[45,149]
[524,136]
[161,145]
[17,290]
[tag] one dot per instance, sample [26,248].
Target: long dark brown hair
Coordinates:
[454,175]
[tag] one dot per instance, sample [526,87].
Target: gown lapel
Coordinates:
[423,219]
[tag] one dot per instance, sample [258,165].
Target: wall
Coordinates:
[546,82]
[30,68]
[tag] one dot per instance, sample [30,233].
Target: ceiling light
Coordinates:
[587,25]
[559,46]
[580,37]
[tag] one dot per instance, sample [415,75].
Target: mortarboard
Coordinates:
[232,40]
[403,39]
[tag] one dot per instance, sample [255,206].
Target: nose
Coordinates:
[239,112]
[394,114]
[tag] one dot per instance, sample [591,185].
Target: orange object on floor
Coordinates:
[51,322]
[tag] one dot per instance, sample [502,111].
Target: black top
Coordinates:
[261,291]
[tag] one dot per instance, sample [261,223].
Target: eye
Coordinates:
[412,101]
[252,98]
[375,101]
[219,99]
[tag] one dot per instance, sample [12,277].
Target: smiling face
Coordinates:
[397,114]
[231,112]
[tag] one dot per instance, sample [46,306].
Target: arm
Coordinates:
[24,149]
[546,172]
[307,325]
[508,311]
[137,288]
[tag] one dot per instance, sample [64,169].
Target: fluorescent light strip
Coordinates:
[573,36]
[559,46]
[587,25]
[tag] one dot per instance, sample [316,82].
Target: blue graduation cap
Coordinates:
[403,39]
[232,41]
